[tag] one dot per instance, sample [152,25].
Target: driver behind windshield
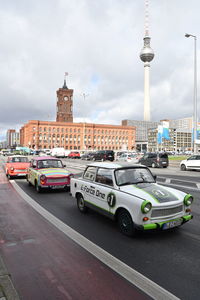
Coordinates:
[49,164]
[133,176]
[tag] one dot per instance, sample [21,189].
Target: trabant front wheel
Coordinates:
[37,187]
[125,223]
[81,203]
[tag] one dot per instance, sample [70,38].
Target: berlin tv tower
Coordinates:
[146,55]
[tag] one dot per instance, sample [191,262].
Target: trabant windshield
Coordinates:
[19,159]
[133,176]
[50,163]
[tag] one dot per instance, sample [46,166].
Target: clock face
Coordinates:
[66,98]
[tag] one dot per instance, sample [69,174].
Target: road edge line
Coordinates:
[143,283]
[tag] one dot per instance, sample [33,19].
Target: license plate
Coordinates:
[21,174]
[57,187]
[164,163]
[172,224]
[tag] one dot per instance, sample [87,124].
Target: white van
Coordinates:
[58,152]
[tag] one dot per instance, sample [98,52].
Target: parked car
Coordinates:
[58,152]
[48,173]
[47,151]
[16,166]
[129,157]
[191,163]
[87,156]
[74,154]
[103,155]
[155,160]
[119,153]
[129,194]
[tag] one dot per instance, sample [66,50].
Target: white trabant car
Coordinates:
[130,195]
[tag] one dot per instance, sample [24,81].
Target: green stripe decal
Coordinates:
[159,193]
[99,207]
[140,188]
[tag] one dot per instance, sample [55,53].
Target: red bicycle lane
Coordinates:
[45,264]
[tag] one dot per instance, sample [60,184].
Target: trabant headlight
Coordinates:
[146,207]
[12,169]
[188,199]
[42,178]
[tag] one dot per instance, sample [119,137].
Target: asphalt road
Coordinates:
[171,258]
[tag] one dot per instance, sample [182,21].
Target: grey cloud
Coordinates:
[40,41]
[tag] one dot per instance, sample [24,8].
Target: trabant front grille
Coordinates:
[20,170]
[54,180]
[161,212]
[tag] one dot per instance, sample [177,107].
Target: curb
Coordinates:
[7,290]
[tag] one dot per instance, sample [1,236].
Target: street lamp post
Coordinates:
[195,91]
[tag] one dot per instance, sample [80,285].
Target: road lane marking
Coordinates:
[198,185]
[167,180]
[180,186]
[146,285]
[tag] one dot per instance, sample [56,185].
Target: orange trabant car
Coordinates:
[17,166]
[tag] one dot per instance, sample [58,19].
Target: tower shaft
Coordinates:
[146,93]
[146,55]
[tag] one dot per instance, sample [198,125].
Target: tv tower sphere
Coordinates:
[146,54]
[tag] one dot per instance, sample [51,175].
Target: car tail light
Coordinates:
[158,159]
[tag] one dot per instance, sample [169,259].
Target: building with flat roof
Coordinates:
[180,140]
[141,131]
[47,135]
[12,138]
[184,123]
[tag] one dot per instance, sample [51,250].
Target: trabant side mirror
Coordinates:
[155,177]
[64,166]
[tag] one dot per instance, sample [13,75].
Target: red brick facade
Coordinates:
[47,135]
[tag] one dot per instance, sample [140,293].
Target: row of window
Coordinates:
[79,142]
[78,147]
[58,129]
[106,138]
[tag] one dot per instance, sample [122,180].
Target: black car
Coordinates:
[155,160]
[103,155]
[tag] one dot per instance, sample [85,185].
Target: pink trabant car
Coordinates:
[48,173]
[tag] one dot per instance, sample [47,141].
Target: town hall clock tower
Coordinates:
[64,104]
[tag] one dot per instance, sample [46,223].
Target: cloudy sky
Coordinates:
[98,43]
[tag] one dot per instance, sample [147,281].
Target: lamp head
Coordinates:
[187,35]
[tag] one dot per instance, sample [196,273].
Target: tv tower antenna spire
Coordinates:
[146,21]
[146,55]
